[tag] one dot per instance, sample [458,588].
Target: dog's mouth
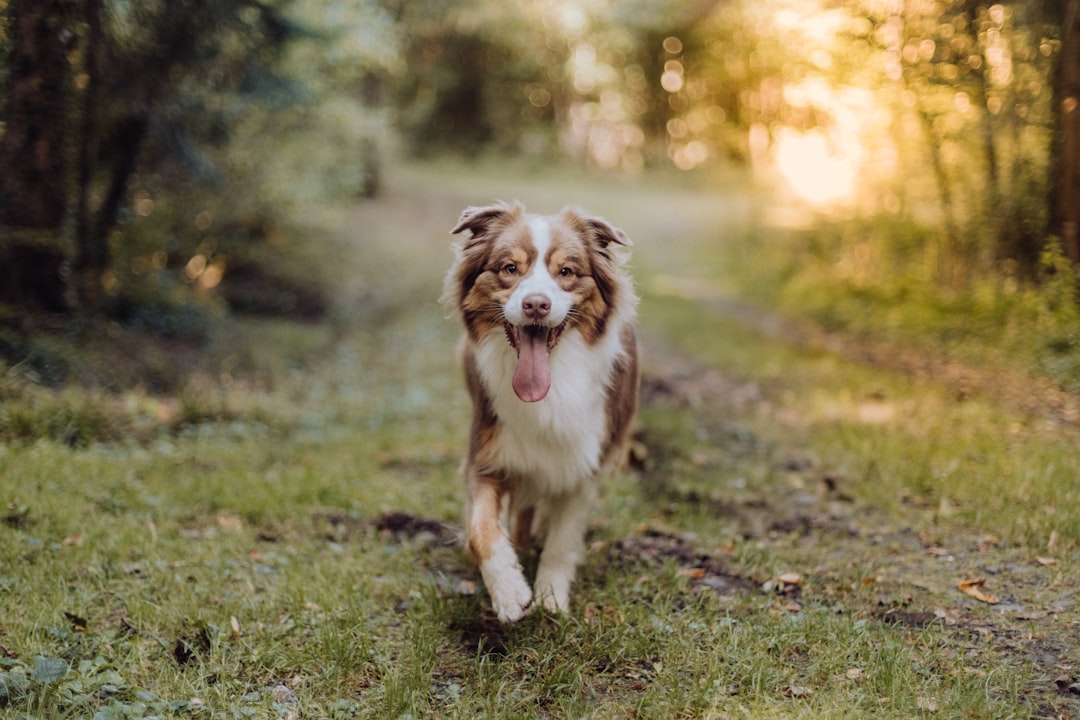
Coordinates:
[533,343]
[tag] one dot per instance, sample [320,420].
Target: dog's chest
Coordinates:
[556,443]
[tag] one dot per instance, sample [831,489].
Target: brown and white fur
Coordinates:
[551,362]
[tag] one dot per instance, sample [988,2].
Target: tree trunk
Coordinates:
[32,147]
[91,248]
[1065,180]
[33,168]
[994,208]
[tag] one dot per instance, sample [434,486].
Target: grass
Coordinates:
[970,461]
[880,278]
[789,547]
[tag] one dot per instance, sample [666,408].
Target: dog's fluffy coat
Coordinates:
[551,362]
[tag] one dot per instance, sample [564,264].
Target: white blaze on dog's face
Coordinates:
[536,314]
[534,277]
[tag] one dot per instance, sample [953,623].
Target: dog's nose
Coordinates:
[536,306]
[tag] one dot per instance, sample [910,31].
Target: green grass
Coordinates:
[243,560]
[879,279]
[970,461]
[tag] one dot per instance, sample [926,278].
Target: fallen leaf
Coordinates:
[790,578]
[854,674]
[927,704]
[78,624]
[943,615]
[798,691]
[692,573]
[593,614]
[1047,561]
[1052,543]
[973,588]
[785,605]
[230,522]
[235,625]
[73,540]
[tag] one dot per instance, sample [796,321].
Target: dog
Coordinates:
[550,358]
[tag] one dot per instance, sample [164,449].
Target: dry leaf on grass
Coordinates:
[1045,561]
[945,616]
[974,588]
[593,614]
[798,691]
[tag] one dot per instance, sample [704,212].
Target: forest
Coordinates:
[946,130]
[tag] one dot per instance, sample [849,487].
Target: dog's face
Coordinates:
[534,278]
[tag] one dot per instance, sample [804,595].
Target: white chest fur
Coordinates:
[555,444]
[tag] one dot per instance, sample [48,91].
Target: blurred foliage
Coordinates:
[937,112]
[194,135]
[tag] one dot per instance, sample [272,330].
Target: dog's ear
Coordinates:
[596,229]
[478,220]
[606,233]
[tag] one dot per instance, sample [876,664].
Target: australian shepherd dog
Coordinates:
[551,362]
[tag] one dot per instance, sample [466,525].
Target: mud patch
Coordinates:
[393,526]
[654,549]
[482,635]
[401,526]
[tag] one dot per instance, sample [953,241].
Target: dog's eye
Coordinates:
[565,272]
[510,269]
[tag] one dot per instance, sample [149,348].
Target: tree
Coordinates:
[1065,187]
[115,110]
[33,149]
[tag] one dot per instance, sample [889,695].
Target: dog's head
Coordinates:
[535,278]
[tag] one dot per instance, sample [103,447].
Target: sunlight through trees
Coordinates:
[124,121]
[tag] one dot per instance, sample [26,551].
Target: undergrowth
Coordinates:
[882,279]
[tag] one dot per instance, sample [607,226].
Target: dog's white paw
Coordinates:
[554,592]
[510,594]
[511,599]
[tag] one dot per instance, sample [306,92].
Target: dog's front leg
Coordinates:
[490,545]
[568,516]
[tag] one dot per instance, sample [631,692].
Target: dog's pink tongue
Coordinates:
[532,378]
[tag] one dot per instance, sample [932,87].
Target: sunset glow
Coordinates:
[813,167]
